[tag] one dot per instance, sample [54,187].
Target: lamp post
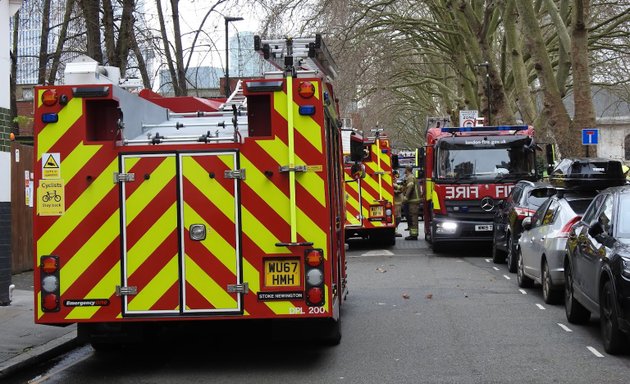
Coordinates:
[488,90]
[228,19]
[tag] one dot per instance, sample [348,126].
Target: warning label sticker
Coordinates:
[51,166]
[50,198]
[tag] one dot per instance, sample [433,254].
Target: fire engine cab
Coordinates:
[147,216]
[468,170]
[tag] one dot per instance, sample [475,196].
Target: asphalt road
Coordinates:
[411,317]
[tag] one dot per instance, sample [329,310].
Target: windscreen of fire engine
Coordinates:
[475,163]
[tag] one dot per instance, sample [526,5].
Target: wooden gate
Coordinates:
[21,212]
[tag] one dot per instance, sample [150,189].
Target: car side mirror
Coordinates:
[527,223]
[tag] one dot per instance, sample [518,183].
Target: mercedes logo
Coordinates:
[487,204]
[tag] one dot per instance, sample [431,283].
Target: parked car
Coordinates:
[588,174]
[523,200]
[541,247]
[597,267]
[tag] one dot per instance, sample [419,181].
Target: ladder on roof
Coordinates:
[293,54]
[237,100]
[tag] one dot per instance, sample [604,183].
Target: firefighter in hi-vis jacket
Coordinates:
[412,197]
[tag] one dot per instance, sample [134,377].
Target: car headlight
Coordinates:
[447,227]
[625,267]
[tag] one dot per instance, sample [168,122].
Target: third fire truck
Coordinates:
[369,187]
[468,171]
[148,216]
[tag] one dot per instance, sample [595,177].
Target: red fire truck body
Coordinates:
[369,189]
[468,170]
[145,216]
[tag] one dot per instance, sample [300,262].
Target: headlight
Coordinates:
[447,227]
[625,267]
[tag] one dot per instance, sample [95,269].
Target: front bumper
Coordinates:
[447,229]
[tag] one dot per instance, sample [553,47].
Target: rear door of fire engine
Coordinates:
[180,234]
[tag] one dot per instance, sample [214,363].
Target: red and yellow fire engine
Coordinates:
[468,170]
[369,187]
[145,215]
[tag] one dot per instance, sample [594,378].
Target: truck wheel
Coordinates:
[498,256]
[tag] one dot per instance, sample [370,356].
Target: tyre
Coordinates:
[511,254]
[437,246]
[576,312]
[551,294]
[522,280]
[498,256]
[613,338]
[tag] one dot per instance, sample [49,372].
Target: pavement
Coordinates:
[22,342]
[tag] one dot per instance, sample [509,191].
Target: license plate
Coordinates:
[483,227]
[376,210]
[282,273]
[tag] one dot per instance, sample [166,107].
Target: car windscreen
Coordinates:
[623,225]
[537,196]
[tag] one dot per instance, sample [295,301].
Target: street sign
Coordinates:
[590,136]
[468,118]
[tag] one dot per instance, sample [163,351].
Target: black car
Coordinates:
[523,201]
[597,267]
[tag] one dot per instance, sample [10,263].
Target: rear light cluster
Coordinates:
[564,232]
[314,270]
[388,213]
[522,213]
[49,283]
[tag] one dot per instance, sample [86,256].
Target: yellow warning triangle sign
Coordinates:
[51,162]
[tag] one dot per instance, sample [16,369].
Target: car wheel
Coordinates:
[522,280]
[576,312]
[613,338]
[551,294]
[437,246]
[498,256]
[511,255]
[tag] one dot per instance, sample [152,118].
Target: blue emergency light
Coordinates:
[307,110]
[485,128]
[50,118]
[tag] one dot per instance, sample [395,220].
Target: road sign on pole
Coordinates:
[590,136]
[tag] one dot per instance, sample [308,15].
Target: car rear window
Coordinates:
[579,206]
[538,196]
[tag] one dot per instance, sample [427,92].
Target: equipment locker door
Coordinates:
[354,203]
[181,248]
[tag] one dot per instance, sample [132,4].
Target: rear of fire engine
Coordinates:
[468,170]
[369,187]
[147,217]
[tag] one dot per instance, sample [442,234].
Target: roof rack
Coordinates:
[292,54]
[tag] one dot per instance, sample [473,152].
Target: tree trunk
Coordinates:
[167,50]
[584,110]
[142,66]
[90,10]
[179,51]
[109,34]
[43,43]
[124,35]
[56,57]
[556,121]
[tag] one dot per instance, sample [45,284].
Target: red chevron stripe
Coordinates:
[195,300]
[169,301]
[206,208]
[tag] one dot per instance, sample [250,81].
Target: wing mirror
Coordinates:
[527,223]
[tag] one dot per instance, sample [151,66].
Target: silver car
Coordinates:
[541,247]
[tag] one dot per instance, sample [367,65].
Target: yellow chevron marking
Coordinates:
[149,295]
[252,276]
[303,124]
[434,197]
[207,287]
[278,201]
[55,131]
[75,213]
[352,202]
[87,254]
[214,242]
[311,181]
[369,180]
[102,290]
[152,239]
[146,192]
[80,156]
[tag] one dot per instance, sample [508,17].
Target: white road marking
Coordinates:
[540,306]
[495,268]
[565,327]
[594,351]
[507,277]
[487,260]
[524,292]
[378,252]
